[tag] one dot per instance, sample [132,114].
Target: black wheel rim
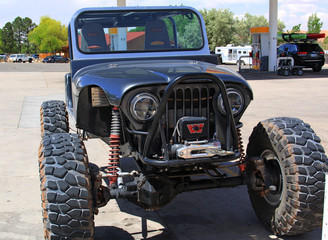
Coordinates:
[274,196]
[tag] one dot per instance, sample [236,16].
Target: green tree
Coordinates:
[314,25]
[18,33]
[243,35]
[1,41]
[14,39]
[324,45]
[191,38]
[137,29]
[220,26]
[49,36]
[281,26]
[243,26]
[7,37]
[296,29]
[28,26]
[188,30]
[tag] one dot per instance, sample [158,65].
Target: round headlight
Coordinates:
[236,101]
[144,106]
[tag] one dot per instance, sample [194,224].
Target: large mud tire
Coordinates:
[53,117]
[66,188]
[291,147]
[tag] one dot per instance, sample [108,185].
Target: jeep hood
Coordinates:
[116,78]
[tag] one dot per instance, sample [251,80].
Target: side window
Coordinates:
[292,48]
[281,48]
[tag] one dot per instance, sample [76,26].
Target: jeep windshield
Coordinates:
[138,30]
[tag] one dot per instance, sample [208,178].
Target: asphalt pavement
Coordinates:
[208,214]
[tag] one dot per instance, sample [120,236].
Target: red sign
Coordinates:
[195,128]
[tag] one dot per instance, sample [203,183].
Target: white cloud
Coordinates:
[294,12]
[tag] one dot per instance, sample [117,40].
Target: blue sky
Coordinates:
[291,12]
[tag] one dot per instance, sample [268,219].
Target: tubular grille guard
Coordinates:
[231,132]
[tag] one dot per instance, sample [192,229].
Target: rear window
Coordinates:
[310,48]
[139,30]
[288,48]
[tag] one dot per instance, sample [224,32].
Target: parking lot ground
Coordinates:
[208,214]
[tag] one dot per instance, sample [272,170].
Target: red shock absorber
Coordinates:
[114,146]
[241,150]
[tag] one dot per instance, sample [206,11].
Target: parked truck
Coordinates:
[231,54]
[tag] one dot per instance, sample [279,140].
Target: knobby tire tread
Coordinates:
[53,117]
[66,188]
[304,162]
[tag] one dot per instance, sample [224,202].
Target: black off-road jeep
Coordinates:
[143,80]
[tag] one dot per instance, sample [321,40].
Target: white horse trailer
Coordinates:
[232,54]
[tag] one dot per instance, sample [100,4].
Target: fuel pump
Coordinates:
[260,48]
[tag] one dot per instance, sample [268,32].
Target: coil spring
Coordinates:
[242,165]
[241,146]
[114,145]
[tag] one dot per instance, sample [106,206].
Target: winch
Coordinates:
[194,140]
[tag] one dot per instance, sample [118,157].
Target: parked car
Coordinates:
[306,54]
[55,59]
[20,58]
[36,56]
[172,119]
[3,57]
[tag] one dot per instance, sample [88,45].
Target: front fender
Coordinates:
[68,91]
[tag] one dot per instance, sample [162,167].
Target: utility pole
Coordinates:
[273,24]
[121,3]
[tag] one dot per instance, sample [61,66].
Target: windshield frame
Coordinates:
[151,10]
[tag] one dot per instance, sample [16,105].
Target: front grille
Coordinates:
[190,100]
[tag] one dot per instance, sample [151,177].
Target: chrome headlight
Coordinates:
[236,101]
[144,106]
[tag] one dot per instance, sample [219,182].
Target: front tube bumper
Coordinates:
[231,133]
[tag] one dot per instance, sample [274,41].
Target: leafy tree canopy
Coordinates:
[49,36]
[7,38]
[314,24]
[21,28]
[296,29]
[243,35]
[224,28]
[324,45]
[0,40]
[14,36]
[220,26]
